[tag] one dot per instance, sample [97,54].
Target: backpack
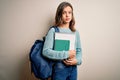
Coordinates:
[40,65]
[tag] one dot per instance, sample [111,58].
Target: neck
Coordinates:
[65,25]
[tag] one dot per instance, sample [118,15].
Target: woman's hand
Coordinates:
[72,53]
[70,61]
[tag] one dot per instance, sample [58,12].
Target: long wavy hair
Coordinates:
[58,17]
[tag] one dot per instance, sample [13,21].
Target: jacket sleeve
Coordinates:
[48,47]
[78,49]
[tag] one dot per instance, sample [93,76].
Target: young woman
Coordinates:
[66,61]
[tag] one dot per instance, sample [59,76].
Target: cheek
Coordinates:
[63,17]
[71,15]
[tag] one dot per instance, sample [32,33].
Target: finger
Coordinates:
[67,62]
[69,59]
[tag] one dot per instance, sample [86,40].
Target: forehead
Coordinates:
[67,8]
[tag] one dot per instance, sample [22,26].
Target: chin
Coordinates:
[67,22]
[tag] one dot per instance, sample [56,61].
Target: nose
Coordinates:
[67,14]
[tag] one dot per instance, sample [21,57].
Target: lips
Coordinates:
[67,19]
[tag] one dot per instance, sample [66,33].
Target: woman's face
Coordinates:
[67,15]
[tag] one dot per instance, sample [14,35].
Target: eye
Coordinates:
[63,12]
[70,12]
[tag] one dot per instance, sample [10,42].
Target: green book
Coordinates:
[61,45]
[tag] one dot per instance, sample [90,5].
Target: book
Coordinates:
[64,41]
[61,45]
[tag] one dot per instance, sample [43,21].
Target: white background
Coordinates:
[24,21]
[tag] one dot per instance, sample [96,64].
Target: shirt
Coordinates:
[60,55]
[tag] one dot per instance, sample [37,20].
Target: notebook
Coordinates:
[61,45]
[64,41]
